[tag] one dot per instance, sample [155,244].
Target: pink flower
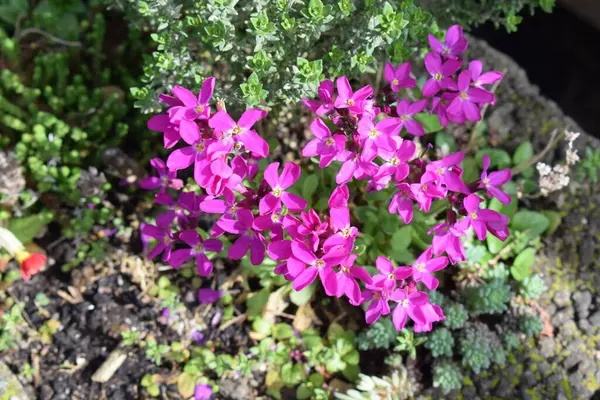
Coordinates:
[468,97]
[375,136]
[439,105]
[479,79]
[424,266]
[192,108]
[340,222]
[432,313]
[389,275]
[399,77]
[357,166]
[203,392]
[378,295]
[325,104]
[278,184]
[161,123]
[480,219]
[195,153]
[409,305]
[346,279]
[339,197]
[440,74]
[354,102]
[311,224]
[233,132]
[447,172]
[186,207]
[395,164]
[425,191]
[198,247]
[492,182]
[164,180]
[401,203]
[163,235]
[447,239]
[454,45]
[271,222]
[406,111]
[325,144]
[249,238]
[305,266]
[209,296]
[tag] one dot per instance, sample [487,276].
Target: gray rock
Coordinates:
[552,309]
[547,347]
[582,300]
[528,379]
[595,319]
[568,329]
[504,389]
[544,368]
[501,121]
[561,318]
[572,360]
[562,298]
[236,390]
[586,251]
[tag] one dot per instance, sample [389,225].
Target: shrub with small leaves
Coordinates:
[447,376]
[530,325]
[380,335]
[532,287]
[489,298]
[456,315]
[440,343]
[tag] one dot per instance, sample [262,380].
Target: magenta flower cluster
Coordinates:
[363,131]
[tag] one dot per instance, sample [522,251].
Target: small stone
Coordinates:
[561,318]
[595,319]
[528,379]
[562,298]
[582,300]
[572,360]
[568,329]
[547,347]
[544,367]
[584,325]
[552,309]
[504,389]
[586,251]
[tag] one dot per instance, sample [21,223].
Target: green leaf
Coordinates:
[508,210]
[352,358]
[262,326]
[523,153]
[311,182]
[334,331]
[401,238]
[530,221]
[430,122]
[27,228]
[257,303]
[282,331]
[521,268]
[303,392]
[494,244]
[471,170]
[555,220]
[499,159]
[303,296]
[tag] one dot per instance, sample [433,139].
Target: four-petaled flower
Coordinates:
[399,78]
[232,132]
[278,184]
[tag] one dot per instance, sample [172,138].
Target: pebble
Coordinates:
[560,318]
[595,319]
[586,251]
[568,329]
[582,300]
[547,347]
[562,298]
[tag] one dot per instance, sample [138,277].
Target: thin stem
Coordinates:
[554,138]
[47,35]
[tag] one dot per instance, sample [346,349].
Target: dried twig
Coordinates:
[48,36]
[232,321]
[554,138]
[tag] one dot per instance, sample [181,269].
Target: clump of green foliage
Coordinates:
[440,343]
[447,376]
[456,315]
[380,335]
[530,325]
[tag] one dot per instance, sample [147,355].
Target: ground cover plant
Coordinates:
[310,201]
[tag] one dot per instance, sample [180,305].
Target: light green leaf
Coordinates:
[282,331]
[311,182]
[257,303]
[523,153]
[530,221]
[401,238]
[430,122]
[521,268]
[27,228]
[303,296]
